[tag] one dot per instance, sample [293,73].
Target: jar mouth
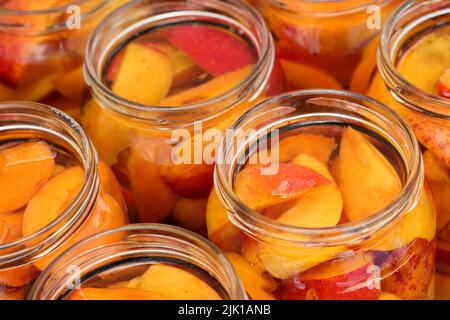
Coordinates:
[21,118]
[137,240]
[352,232]
[411,18]
[344,7]
[227,11]
[58,13]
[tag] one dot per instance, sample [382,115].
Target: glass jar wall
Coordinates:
[324,199]
[54,192]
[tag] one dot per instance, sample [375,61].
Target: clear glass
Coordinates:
[333,41]
[141,149]
[135,250]
[27,243]
[382,256]
[42,48]
[417,99]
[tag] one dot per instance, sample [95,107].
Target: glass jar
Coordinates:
[42,48]
[158,151]
[330,41]
[54,192]
[344,215]
[145,262]
[412,61]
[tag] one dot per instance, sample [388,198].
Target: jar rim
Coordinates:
[251,220]
[146,112]
[401,89]
[234,289]
[47,238]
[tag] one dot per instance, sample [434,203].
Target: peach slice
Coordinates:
[419,223]
[368,182]
[34,91]
[257,285]
[319,208]
[427,60]
[285,262]
[153,198]
[214,50]
[184,70]
[301,76]
[363,73]
[438,177]
[190,213]
[443,251]
[291,181]
[28,165]
[408,272]
[220,230]
[173,283]
[444,84]
[208,90]
[13,293]
[145,75]
[114,294]
[71,85]
[52,199]
[433,134]
[340,279]
[317,146]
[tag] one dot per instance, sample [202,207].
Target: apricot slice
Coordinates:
[190,213]
[289,182]
[340,279]
[319,208]
[208,90]
[154,200]
[109,184]
[11,230]
[301,76]
[145,75]
[419,223]
[444,84]
[317,146]
[257,285]
[107,214]
[220,230]
[214,50]
[438,177]
[363,73]
[173,283]
[408,272]
[114,294]
[433,134]
[28,165]
[52,199]
[71,85]
[368,182]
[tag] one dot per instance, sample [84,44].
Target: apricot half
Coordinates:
[368,182]
[24,168]
[173,283]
